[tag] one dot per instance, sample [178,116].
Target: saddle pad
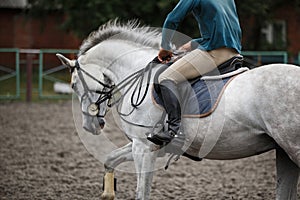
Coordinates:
[201,99]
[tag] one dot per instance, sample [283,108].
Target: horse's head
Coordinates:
[92,90]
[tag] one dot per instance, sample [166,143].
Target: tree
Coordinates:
[82,17]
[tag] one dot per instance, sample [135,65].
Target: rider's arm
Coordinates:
[173,19]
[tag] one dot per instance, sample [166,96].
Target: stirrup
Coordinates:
[165,137]
[173,146]
[157,141]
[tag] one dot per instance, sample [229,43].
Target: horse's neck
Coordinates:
[123,59]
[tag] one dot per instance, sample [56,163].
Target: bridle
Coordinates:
[134,80]
[105,94]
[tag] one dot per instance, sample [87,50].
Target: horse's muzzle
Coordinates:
[94,125]
[101,122]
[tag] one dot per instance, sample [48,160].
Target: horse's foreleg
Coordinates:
[115,158]
[144,161]
[287,176]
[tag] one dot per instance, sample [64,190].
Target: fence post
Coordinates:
[30,54]
[18,93]
[41,73]
[29,63]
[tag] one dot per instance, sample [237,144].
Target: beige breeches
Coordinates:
[196,63]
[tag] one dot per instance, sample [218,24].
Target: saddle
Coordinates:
[200,96]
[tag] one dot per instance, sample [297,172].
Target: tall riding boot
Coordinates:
[170,96]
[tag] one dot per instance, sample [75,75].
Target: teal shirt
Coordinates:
[217,20]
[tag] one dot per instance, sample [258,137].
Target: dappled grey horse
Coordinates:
[258,111]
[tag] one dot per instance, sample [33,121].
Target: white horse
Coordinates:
[259,110]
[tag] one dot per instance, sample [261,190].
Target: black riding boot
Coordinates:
[170,96]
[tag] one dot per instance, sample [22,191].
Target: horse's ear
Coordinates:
[65,61]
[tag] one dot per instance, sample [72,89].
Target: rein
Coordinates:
[136,80]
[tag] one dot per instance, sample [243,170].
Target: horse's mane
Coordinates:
[130,31]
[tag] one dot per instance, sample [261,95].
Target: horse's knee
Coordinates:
[117,157]
[108,164]
[112,161]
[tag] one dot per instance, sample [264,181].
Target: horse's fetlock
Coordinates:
[107,196]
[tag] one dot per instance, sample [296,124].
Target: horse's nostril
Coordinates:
[101,122]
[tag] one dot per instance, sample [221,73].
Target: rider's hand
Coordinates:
[164,56]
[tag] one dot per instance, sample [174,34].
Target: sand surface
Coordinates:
[42,157]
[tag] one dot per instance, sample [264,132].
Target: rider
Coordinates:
[221,40]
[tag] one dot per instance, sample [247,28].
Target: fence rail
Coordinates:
[264,57]
[46,73]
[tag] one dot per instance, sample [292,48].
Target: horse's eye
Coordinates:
[73,85]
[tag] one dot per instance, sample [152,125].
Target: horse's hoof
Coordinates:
[108,196]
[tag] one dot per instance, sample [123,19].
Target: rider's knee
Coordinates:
[168,75]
